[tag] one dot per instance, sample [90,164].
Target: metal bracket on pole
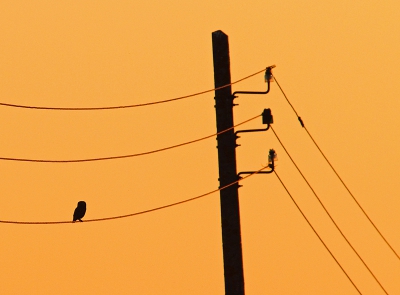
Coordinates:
[268,79]
[266,119]
[271,160]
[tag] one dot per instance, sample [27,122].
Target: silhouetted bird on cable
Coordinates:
[79,211]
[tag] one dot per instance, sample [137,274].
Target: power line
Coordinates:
[319,237]
[124,156]
[124,106]
[329,215]
[337,174]
[137,213]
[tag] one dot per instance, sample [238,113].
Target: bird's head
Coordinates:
[82,204]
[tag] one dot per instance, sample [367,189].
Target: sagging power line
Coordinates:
[125,106]
[125,156]
[136,213]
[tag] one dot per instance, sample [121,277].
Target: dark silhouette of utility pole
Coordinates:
[230,217]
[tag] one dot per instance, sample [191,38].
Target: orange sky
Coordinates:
[336,60]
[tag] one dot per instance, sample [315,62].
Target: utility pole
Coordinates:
[230,216]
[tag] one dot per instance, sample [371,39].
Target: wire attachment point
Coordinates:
[272,157]
[301,121]
[268,79]
[266,119]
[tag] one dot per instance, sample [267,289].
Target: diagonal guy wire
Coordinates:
[319,237]
[337,174]
[329,215]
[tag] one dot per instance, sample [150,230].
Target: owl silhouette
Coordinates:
[79,211]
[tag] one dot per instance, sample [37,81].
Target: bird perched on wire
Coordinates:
[80,211]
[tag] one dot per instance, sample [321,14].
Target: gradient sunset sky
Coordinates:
[337,61]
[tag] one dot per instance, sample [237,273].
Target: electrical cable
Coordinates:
[125,106]
[337,174]
[327,212]
[319,237]
[140,212]
[126,156]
